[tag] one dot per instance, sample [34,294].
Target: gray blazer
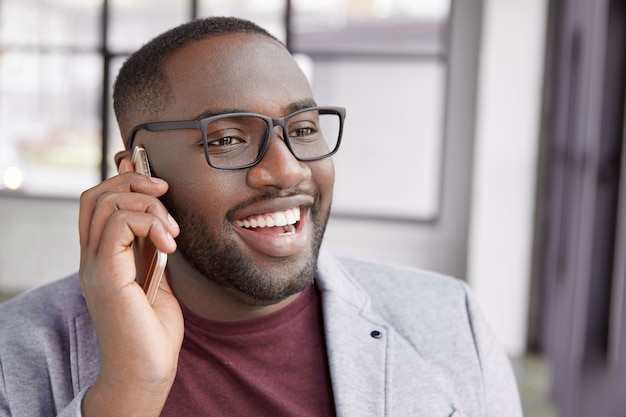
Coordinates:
[401,342]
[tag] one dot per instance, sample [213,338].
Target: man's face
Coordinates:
[250,73]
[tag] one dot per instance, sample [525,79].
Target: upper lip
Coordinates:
[272,205]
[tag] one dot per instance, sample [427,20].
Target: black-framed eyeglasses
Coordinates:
[239,140]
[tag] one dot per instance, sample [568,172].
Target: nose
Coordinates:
[279,168]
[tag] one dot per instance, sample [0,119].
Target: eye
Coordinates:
[302,132]
[225,141]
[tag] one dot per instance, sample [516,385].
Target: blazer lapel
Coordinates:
[357,355]
[357,343]
[375,370]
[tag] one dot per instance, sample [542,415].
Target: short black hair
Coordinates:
[141,88]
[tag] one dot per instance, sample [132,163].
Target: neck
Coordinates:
[215,302]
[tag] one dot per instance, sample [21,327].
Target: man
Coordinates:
[252,318]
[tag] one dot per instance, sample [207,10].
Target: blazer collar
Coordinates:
[370,361]
[357,342]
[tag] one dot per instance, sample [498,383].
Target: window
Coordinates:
[57,67]
[383,60]
[50,82]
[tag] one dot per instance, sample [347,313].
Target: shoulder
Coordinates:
[389,284]
[51,306]
[423,306]
[428,309]
[439,318]
[48,348]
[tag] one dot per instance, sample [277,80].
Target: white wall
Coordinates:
[38,241]
[503,192]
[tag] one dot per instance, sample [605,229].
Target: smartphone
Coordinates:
[150,261]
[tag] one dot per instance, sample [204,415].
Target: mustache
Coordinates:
[271,194]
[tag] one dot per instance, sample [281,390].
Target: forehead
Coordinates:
[248,72]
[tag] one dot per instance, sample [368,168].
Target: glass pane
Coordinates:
[132,23]
[269,14]
[385,61]
[50,22]
[392,141]
[49,121]
[338,12]
[390,27]
[116,144]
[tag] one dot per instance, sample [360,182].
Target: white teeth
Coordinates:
[290,228]
[279,218]
[290,217]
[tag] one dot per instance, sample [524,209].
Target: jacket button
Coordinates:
[376,334]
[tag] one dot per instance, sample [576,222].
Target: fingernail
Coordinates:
[156,180]
[125,166]
[171,221]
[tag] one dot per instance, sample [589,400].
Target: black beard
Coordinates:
[224,264]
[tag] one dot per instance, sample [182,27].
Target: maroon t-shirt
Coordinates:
[272,366]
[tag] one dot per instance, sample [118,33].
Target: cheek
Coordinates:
[203,193]
[188,177]
[183,167]
[324,176]
[195,208]
[164,159]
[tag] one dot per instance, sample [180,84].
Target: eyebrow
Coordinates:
[301,104]
[292,107]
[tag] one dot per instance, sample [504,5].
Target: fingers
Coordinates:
[115,193]
[125,165]
[112,215]
[123,157]
[120,217]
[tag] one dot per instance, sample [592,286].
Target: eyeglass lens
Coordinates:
[235,141]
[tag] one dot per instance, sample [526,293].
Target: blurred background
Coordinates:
[483,141]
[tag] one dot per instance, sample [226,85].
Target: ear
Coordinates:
[122,156]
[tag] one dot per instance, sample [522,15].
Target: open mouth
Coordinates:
[285,222]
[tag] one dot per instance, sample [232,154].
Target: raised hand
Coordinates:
[139,343]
